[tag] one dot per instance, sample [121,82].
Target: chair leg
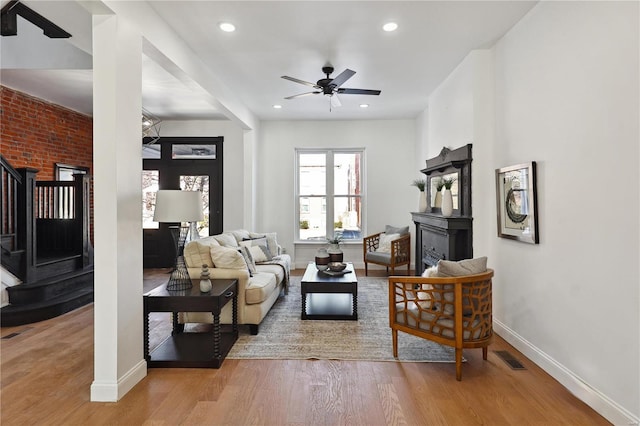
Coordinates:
[458,364]
[387,270]
[408,269]
[394,336]
[393,270]
[366,269]
[485,349]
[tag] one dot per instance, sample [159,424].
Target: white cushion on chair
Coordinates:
[385,242]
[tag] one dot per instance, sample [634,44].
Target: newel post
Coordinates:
[26,223]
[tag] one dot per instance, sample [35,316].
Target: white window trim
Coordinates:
[329,196]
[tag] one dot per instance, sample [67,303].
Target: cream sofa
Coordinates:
[257,289]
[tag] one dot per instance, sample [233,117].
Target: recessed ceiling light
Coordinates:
[364,105]
[390,26]
[276,106]
[227,27]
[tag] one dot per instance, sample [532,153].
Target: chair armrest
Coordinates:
[370,243]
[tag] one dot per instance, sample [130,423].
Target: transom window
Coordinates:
[329,193]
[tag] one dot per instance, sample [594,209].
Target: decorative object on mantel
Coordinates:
[205,282]
[447,198]
[322,259]
[437,202]
[517,201]
[422,201]
[335,252]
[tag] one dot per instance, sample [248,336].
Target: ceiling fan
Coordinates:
[331,86]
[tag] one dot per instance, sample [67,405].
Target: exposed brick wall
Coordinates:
[35,133]
[38,134]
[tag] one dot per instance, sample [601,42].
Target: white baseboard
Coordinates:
[113,391]
[603,405]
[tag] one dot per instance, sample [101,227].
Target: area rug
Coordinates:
[283,335]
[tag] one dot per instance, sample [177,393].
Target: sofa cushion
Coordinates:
[197,252]
[227,258]
[240,234]
[272,241]
[385,242]
[260,287]
[226,239]
[272,268]
[376,256]
[393,230]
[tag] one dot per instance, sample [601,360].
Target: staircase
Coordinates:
[45,243]
[48,298]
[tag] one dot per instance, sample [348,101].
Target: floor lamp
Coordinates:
[183,207]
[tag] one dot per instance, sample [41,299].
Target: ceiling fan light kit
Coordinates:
[331,86]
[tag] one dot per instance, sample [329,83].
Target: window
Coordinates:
[329,188]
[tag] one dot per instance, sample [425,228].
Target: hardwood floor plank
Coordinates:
[46,371]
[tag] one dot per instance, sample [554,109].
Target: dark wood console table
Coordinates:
[199,350]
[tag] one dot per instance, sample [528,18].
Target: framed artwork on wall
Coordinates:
[517,203]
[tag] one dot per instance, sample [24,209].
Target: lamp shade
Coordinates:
[178,206]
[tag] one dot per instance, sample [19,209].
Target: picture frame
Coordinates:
[517,203]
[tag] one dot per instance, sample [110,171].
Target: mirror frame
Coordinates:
[447,162]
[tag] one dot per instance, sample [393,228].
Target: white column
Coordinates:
[117,106]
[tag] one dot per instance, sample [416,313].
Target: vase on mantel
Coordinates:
[422,203]
[447,203]
[437,200]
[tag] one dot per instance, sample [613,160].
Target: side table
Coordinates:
[195,350]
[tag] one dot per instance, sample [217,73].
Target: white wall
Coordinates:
[565,93]
[390,168]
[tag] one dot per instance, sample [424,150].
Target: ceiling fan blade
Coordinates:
[342,77]
[335,102]
[359,91]
[302,94]
[306,83]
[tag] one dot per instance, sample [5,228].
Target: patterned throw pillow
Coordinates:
[259,249]
[248,258]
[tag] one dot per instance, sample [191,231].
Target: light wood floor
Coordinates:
[47,370]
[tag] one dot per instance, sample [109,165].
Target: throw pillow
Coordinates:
[393,230]
[384,245]
[227,258]
[259,249]
[248,258]
[447,268]
[226,240]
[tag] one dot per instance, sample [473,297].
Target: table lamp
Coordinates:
[182,207]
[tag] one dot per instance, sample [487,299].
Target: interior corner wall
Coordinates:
[564,93]
[389,167]
[567,97]
[234,177]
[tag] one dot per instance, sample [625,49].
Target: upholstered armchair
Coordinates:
[391,249]
[451,310]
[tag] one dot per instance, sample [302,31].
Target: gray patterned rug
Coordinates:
[283,335]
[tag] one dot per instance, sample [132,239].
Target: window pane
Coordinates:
[149,189]
[346,174]
[347,217]
[193,152]
[312,218]
[151,151]
[199,183]
[312,174]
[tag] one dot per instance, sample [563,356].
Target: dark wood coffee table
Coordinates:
[326,297]
[203,350]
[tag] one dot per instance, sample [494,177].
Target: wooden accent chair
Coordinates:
[399,254]
[453,311]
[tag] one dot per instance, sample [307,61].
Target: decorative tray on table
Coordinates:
[335,273]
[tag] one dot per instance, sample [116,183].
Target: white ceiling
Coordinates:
[294,38]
